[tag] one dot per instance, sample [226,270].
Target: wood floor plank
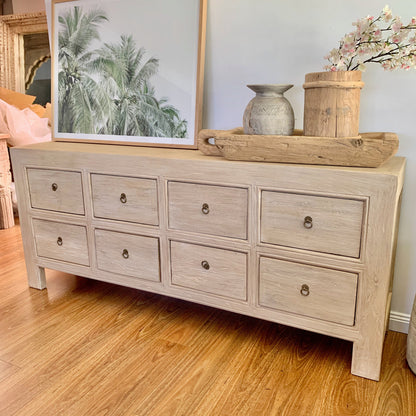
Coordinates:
[62,353]
[91,348]
[122,352]
[269,384]
[7,369]
[211,355]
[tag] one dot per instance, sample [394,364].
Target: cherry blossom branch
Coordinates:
[374,39]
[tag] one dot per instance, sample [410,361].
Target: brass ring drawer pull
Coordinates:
[59,241]
[54,186]
[123,198]
[125,254]
[307,222]
[205,209]
[304,291]
[205,264]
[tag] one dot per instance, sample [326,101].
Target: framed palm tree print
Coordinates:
[128,71]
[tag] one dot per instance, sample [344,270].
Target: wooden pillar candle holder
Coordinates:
[332,103]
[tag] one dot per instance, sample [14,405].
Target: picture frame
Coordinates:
[128,71]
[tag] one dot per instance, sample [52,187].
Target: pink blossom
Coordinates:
[386,65]
[386,46]
[396,26]
[387,13]
[393,45]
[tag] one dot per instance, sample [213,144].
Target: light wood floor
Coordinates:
[89,348]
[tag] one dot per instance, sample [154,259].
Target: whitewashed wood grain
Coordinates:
[141,258]
[226,213]
[141,204]
[74,247]
[68,194]
[283,222]
[331,294]
[226,275]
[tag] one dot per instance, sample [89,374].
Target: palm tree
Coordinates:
[81,100]
[123,75]
[108,90]
[135,110]
[163,118]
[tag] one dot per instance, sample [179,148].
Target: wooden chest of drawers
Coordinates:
[306,246]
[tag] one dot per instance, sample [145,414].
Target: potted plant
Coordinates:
[332,98]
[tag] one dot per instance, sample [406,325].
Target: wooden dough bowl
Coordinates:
[365,150]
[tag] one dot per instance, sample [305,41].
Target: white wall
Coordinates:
[276,41]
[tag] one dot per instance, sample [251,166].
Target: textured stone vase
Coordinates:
[269,112]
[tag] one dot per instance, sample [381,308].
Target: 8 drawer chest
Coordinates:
[306,246]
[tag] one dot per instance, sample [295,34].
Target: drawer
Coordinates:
[308,290]
[56,190]
[128,254]
[324,224]
[208,209]
[211,270]
[60,241]
[125,198]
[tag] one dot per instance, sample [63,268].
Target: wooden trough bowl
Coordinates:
[365,150]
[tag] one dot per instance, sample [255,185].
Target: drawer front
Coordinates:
[125,198]
[324,224]
[128,254]
[211,270]
[56,190]
[208,209]
[61,241]
[308,290]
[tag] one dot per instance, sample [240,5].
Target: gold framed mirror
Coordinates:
[16,30]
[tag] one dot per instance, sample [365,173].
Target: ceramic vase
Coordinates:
[269,112]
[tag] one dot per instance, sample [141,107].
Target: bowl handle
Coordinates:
[203,142]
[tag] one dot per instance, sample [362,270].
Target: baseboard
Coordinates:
[399,322]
